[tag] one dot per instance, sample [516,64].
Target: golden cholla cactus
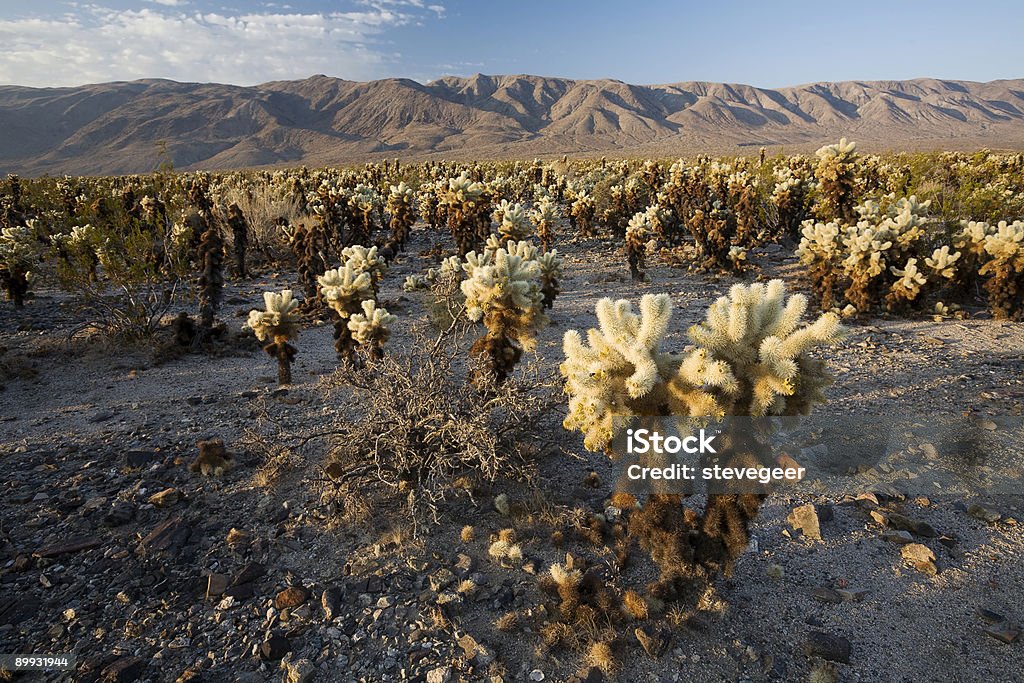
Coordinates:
[504,289]
[515,224]
[19,253]
[943,263]
[638,232]
[836,176]
[751,359]
[343,290]
[371,328]
[277,324]
[1005,285]
[366,260]
[401,200]
[544,216]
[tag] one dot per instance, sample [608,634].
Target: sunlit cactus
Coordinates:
[515,224]
[371,328]
[344,290]
[544,216]
[836,176]
[19,254]
[638,232]
[278,324]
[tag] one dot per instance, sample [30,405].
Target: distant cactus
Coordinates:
[278,323]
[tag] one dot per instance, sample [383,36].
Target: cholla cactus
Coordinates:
[467,202]
[908,287]
[19,253]
[364,201]
[515,224]
[550,271]
[366,260]
[582,213]
[344,289]
[239,237]
[371,328]
[544,216]
[1005,286]
[836,175]
[638,232]
[211,280]
[278,324]
[751,359]
[943,263]
[400,206]
[504,289]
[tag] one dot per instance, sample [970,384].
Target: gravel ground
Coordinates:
[111,549]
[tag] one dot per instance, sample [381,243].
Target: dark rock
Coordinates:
[242,591]
[249,573]
[898,521]
[330,601]
[216,584]
[124,670]
[140,459]
[827,646]
[990,616]
[168,536]
[274,648]
[120,514]
[72,545]
[1002,632]
[983,513]
[18,610]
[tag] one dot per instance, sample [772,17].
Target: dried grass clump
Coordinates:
[388,445]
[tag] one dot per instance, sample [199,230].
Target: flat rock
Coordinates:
[165,498]
[1002,632]
[123,670]
[140,459]
[983,513]
[275,647]
[921,557]
[827,646]
[168,536]
[827,595]
[248,573]
[899,537]
[805,519]
[72,545]
[330,601]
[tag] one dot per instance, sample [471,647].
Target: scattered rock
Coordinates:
[441,674]
[330,601]
[290,597]
[139,459]
[805,519]
[898,521]
[165,498]
[70,546]
[275,647]
[990,616]
[299,671]
[921,557]
[654,643]
[216,584]
[536,675]
[120,513]
[124,670]
[983,513]
[168,536]
[1002,632]
[899,537]
[249,573]
[827,646]
[827,595]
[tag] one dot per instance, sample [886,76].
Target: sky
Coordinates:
[768,43]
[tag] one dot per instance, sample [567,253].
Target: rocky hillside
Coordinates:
[117,127]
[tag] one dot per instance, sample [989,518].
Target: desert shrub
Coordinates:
[390,448]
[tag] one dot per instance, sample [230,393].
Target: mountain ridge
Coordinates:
[114,128]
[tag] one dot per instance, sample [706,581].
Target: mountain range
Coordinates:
[116,128]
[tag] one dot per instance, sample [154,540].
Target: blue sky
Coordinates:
[769,44]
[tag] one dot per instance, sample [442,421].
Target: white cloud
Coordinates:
[97,44]
[169,3]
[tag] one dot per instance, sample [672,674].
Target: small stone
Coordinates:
[330,601]
[898,521]
[168,536]
[237,538]
[165,498]
[216,584]
[441,674]
[988,425]
[805,519]
[249,573]
[139,459]
[72,545]
[827,595]
[1002,632]
[983,513]
[120,513]
[827,646]
[275,647]
[293,596]
[653,643]
[899,537]
[536,675]
[990,616]
[852,595]
[921,557]
[124,670]
[179,643]
[299,671]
